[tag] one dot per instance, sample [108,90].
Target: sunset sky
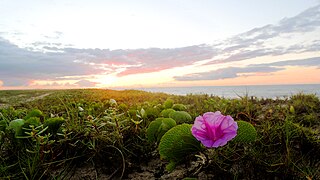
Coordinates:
[132,44]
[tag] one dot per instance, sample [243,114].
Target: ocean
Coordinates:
[261,91]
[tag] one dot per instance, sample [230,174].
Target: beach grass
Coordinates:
[97,134]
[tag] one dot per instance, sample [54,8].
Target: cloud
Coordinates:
[224,73]
[55,35]
[256,42]
[315,61]
[304,22]
[308,20]
[52,85]
[1,83]
[85,83]
[50,61]
[247,54]
[44,43]
[233,72]
[18,65]
[156,59]
[315,46]
[145,60]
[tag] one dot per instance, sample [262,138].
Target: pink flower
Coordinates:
[214,129]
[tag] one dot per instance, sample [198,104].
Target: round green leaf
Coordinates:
[16,125]
[158,128]
[179,107]
[178,143]
[181,117]
[246,132]
[165,113]
[34,113]
[168,103]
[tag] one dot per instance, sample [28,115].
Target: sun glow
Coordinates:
[105,80]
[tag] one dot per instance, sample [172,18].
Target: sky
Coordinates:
[49,44]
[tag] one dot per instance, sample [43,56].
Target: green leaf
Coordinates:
[246,132]
[181,117]
[32,121]
[35,121]
[292,111]
[165,113]
[34,113]
[158,128]
[42,131]
[53,124]
[168,103]
[178,143]
[152,112]
[179,107]
[170,167]
[16,125]
[3,125]
[143,113]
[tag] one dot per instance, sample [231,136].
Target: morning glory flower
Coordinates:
[214,129]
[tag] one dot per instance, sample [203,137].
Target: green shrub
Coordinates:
[305,103]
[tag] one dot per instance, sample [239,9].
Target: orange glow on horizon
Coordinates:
[291,75]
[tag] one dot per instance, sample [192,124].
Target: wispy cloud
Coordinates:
[251,70]
[315,61]
[144,60]
[225,73]
[256,42]
[85,83]
[155,59]
[18,66]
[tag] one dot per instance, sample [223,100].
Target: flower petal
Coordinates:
[214,129]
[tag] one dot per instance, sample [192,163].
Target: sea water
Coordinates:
[261,91]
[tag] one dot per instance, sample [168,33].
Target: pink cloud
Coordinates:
[142,70]
[155,59]
[85,83]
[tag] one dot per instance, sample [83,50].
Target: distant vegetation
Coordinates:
[104,134]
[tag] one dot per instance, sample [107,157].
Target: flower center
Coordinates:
[217,133]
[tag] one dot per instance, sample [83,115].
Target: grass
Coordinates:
[107,130]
